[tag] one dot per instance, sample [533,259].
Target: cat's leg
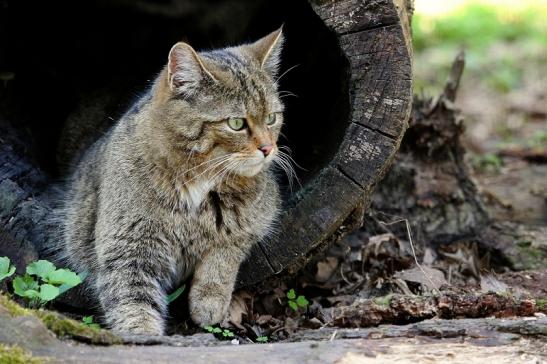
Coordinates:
[130,289]
[213,284]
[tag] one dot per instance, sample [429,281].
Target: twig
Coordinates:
[409,234]
[453,82]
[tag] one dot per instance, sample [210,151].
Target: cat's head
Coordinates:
[222,106]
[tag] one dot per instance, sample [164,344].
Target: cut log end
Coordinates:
[375,39]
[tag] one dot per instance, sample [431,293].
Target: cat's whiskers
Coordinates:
[285,147]
[206,162]
[285,161]
[284,73]
[233,172]
[289,157]
[283,94]
[227,170]
[208,169]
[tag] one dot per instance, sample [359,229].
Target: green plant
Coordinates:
[173,296]
[477,24]
[43,282]
[219,332]
[6,269]
[296,302]
[487,163]
[382,301]
[539,139]
[88,321]
[262,339]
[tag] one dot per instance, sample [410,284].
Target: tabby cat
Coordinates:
[180,187]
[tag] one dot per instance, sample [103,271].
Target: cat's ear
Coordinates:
[267,51]
[185,69]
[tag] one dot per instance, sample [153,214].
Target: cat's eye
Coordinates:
[272,118]
[236,123]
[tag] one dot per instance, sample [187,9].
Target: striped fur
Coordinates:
[171,192]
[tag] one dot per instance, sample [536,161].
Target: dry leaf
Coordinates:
[290,325]
[325,269]
[416,275]
[263,319]
[237,309]
[489,283]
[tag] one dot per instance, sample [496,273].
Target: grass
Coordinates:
[489,34]
[486,163]
[477,25]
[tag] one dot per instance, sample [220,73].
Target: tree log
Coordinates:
[347,127]
[375,38]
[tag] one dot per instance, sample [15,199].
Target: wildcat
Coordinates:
[180,187]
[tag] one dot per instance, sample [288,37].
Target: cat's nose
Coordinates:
[266,149]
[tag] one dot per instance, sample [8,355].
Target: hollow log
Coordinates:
[353,82]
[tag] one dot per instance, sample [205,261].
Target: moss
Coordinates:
[62,326]
[13,354]
[65,327]
[530,257]
[541,303]
[383,301]
[13,308]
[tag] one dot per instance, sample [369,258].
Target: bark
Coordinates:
[430,183]
[400,309]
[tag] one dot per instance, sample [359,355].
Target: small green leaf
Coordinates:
[293,305]
[262,339]
[4,264]
[291,294]
[23,284]
[88,321]
[63,277]
[173,296]
[31,293]
[302,301]
[48,292]
[8,274]
[6,270]
[41,268]
[209,328]
[64,287]
[227,333]
[217,330]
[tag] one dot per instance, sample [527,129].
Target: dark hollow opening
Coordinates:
[92,59]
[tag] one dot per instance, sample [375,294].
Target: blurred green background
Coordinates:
[505,83]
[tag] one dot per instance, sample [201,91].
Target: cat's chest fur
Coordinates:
[193,194]
[205,217]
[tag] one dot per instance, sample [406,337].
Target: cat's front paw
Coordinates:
[208,304]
